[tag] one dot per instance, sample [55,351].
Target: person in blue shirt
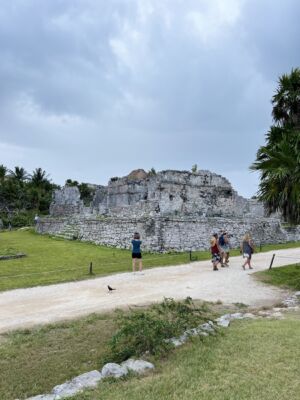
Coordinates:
[136,251]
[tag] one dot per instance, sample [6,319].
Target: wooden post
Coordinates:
[91,268]
[272,261]
[190,255]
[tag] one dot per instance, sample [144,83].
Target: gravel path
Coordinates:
[22,308]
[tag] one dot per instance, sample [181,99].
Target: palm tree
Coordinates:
[279,160]
[280,176]
[286,101]
[19,174]
[39,178]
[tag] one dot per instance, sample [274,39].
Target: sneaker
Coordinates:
[243,266]
[250,267]
[223,265]
[215,269]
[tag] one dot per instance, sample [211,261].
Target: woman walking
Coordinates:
[247,248]
[215,252]
[136,251]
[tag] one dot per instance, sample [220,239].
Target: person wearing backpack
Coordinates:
[224,246]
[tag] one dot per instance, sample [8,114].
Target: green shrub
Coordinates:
[141,331]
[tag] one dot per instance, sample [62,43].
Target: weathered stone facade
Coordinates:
[172,210]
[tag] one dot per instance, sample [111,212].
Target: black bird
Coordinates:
[110,289]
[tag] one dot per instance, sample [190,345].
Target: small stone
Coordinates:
[88,379]
[236,316]
[114,370]
[138,366]
[224,322]
[66,389]
[207,328]
[43,397]
[249,316]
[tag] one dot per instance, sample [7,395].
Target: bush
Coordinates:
[141,331]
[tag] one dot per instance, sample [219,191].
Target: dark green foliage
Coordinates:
[141,331]
[279,160]
[22,195]
[86,192]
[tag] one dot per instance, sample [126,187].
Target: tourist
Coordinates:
[136,251]
[224,247]
[247,249]
[36,219]
[215,252]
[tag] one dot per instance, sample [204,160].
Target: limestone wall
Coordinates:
[166,234]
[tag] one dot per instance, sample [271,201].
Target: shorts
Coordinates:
[225,248]
[136,255]
[215,257]
[246,255]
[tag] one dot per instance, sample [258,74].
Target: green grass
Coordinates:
[286,276]
[51,260]
[34,361]
[257,360]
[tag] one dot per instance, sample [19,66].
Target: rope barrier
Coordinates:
[78,269]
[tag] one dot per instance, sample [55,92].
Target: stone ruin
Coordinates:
[172,210]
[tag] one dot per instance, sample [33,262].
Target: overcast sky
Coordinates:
[92,89]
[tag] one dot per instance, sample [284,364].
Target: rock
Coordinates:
[114,370]
[88,380]
[277,314]
[223,321]
[138,366]
[66,389]
[192,332]
[297,294]
[175,341]
[207,328]
[236,316]
[249,316]
[43,397]
[264,313]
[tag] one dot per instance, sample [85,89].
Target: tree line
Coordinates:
[22,195]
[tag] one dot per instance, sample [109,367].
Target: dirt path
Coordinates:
[44,304]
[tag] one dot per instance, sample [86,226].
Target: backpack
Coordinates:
[221,240]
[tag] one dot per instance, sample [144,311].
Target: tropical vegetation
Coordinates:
[23,194]
[278,161]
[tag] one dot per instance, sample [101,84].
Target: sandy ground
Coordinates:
[22,308]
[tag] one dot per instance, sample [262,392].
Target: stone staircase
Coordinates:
[70,232]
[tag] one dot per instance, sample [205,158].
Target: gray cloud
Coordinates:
[93,89]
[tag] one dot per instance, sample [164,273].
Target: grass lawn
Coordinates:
[252,360]
[257,360]
[287,276]
[52,260]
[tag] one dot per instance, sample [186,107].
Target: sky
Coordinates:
[93,89]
